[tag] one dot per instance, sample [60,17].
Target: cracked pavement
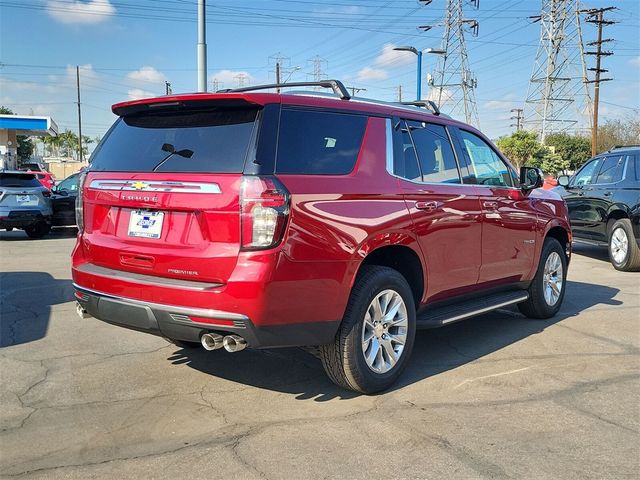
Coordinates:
[498,396]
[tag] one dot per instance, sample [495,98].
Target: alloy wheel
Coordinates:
[619,245]
[384,333]
[553,279]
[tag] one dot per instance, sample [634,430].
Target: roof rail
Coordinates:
[618,147]
[336,85]
[429,104]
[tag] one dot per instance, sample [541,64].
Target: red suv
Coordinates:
[265,220]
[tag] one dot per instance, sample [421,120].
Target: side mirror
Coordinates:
[530,178]
[563,180]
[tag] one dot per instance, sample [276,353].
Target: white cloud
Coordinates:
[229,78]
[147,75]
[635,61]
[368,73]
[86,73]
[390,57]
[506,103]
[93,11]
[138,93]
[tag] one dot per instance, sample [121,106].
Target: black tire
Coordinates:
[536,306]
[344,360]
[631,261]
[39,230]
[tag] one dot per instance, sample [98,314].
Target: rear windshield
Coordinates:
[214,141]
[19,180]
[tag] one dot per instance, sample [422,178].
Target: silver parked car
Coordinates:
[24,204]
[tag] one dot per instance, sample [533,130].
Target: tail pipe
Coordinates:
[234,343]
[211,341]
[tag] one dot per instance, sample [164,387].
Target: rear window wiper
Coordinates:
[167,147]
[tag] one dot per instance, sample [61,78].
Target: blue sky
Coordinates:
[128,48]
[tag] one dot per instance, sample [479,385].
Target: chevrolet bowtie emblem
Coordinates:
[139,185]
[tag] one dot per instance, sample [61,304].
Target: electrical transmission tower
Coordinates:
[558,97]
[453,85]
[319,66]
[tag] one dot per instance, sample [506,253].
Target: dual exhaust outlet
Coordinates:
[215,341]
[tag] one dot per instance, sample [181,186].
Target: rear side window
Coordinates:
[611,170]
[18,180]
[319,143]
[211,141]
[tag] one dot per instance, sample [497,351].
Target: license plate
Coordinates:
[23,198]
[145,224]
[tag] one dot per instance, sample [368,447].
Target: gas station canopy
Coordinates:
[28,125]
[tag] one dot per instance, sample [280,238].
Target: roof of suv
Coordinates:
[623,148]
[317,99]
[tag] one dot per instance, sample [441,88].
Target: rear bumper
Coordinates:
[23,218]
[189,324]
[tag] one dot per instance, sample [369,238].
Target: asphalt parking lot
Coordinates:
[498,396]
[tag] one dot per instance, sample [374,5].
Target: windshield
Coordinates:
[213,141]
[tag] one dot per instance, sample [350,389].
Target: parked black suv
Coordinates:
[604,204]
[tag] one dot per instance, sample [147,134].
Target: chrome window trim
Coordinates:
[155,186]
[389,145]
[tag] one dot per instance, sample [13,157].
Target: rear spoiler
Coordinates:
[195,101]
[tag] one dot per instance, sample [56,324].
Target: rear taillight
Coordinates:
[264,209]
[80,203]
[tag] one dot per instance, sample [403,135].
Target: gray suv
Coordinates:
[24,204]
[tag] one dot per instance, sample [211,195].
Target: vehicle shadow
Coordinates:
[56,233]
[25,305]
[299,373]
[591,251]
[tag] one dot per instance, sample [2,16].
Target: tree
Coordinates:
[618,132]
[522,148]
[554,163]
[574,150]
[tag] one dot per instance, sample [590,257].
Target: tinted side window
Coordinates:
[437,160]
[611,170]
[69,184]
[321,143]
[213,141]
[488,167]
[586,173]
[405,162]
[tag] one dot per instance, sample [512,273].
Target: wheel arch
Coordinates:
[562,233]
[404,257]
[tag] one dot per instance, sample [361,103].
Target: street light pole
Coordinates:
[419,80]
[202,47]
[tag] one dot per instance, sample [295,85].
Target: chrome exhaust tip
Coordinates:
[82,313]
[211,341]
[234,343]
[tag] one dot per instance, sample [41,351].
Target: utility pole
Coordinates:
[453,84]
[596,15]
[202,47]
[278,76]
[79,115]
[555,82]
[400,93]
[355,90]
[518,118]
[167,88]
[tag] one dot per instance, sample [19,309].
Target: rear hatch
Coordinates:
[21,191]
[162,194]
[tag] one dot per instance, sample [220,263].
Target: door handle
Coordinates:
[490,205]
[428,206]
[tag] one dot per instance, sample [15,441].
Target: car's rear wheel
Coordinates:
[546,291]
[39,230]
[624,252]
[376,336]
